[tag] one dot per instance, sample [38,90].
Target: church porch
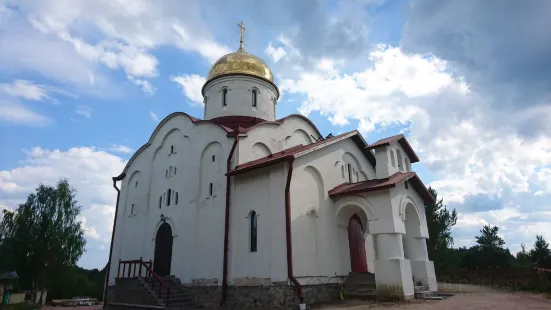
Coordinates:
[388,240]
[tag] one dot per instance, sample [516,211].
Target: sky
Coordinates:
[84,83]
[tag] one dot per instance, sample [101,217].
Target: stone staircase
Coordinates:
[137,293]
[360,285]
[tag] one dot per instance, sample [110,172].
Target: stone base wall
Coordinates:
[110,294]
[276,296]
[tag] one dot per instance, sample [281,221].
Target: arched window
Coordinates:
[160,202]
[136,185]
[399,159]
[254,228]
[174,170]
[166,174]
[213,158]
[169,192]
[224,96]
[408,165]
[172,149]
[211,189]
[342,171]
[132,210]
[406,183]
[254,97]
[392,160]
[357,177]
[176,199]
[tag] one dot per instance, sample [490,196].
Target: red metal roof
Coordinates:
[380,184]
[285,154]
[403,142]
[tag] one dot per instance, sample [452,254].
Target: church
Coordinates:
[240,205]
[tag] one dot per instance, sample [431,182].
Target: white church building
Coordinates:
[242,201]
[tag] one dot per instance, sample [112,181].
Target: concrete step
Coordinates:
[360,296]
[420,288]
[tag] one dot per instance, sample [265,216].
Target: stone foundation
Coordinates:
[110,295]
[275,296]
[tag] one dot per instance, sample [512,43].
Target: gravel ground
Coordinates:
[468,297]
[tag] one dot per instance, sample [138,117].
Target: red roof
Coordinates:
[400,139]
[286,154]
[380,184]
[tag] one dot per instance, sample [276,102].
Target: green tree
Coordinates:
[440,221]
[540,254]
[489,238]
[523,258]
[42,237]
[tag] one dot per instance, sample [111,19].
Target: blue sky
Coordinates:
[83,84]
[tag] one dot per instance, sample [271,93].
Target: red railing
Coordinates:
[139,268]
[541,269]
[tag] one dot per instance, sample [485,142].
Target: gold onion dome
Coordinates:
[240,62]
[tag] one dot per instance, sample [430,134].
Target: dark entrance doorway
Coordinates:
[163,250]
[356,241]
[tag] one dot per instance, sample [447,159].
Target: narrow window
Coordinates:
[357,177]
[408,165]
[392,161]
[254,228]
[176,199]
[349,173]
[160,202]
[213,158]
[136,185]
[406,182]
[224,96]
[399,159]
[169,193]
[172,149]
[210,189]
[254,97]
[174,170]
[132,210]
[166,174]
[342,171]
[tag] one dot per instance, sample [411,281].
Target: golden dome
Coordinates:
[240,62]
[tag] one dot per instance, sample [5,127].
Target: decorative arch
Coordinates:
[404,201]
[399,160]
[392,160]
[170,222]
[315,173]
[260,150]
[358,203]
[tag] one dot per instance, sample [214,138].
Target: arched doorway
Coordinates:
[356,242]
[163,250]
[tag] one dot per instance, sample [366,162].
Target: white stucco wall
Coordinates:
[261,191]
[239,98]
[320,241]
[197,220]
[388,161]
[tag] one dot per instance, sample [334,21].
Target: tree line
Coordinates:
[488,252]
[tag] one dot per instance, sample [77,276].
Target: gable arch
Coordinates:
[314,173]
[260,150]
[299,136]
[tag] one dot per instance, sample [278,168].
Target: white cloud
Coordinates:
[275,53]
[191,86]
[14,112]
[24,89]
[119,148]
[84,111]
[130,33]
[153,116]
[88,169]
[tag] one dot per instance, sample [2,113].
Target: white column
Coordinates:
[422,268]
[392,271]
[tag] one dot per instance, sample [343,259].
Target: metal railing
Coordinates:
[140,268]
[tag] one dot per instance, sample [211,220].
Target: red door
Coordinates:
[356,242]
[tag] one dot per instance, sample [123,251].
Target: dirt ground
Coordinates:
[467,297]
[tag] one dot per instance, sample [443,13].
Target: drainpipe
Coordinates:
[227,220]
[292,278]
[108,268]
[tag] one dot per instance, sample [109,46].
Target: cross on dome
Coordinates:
[242,29]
